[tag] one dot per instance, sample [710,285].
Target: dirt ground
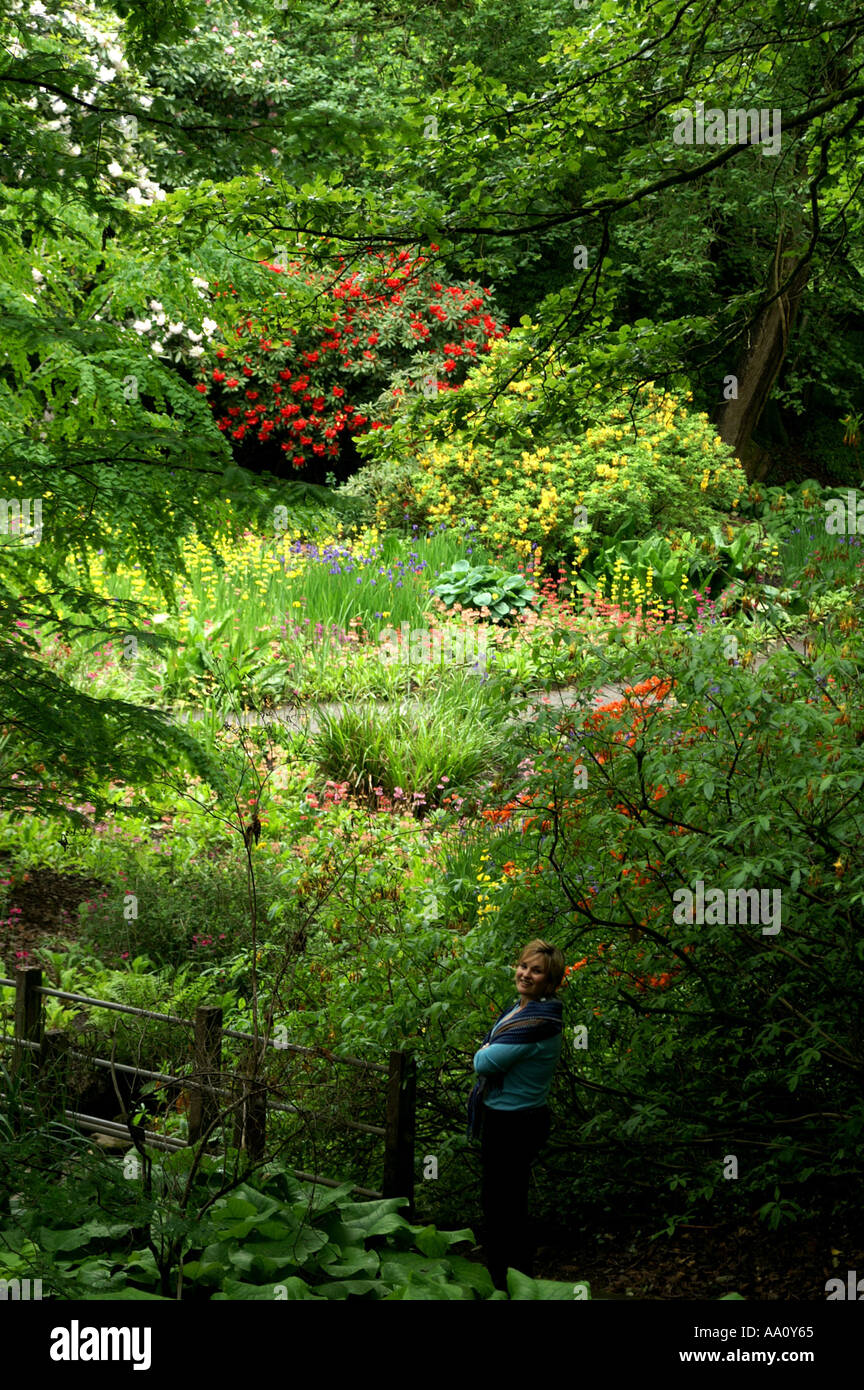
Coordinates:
[706,1263]
[43,910]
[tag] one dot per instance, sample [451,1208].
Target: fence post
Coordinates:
[399,1143]
[28,1018]
[250,1130]
[53,1062]
[204,1104]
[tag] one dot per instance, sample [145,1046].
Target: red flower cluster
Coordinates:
[385,318]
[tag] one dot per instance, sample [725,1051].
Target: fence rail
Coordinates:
[43,1055]
[189,1023]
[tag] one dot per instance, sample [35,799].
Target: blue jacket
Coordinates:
[523,1072]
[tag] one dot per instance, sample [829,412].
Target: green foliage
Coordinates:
[209,1234]
[187,912]
[484,587]
[333,349]
[745,782]
[146,168]
[655,468]
[422,751]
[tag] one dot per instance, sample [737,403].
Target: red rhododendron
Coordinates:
[392,305]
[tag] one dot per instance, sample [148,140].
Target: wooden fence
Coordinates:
[43,1056]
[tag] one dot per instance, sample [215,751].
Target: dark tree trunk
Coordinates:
[761,360]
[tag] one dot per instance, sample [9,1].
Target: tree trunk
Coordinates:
[760,363]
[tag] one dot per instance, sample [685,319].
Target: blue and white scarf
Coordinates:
[538,1020]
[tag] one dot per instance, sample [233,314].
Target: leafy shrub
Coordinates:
[655,467]
[196,912]
[730,786]
[301,374]
[268,1239]
[423,751]
[484,587]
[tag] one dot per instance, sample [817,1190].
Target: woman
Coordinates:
[508,1109]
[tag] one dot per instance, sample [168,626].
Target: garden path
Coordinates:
[308,718]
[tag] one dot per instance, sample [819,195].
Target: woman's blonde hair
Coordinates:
[554,962]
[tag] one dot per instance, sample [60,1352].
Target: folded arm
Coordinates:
[494,1059]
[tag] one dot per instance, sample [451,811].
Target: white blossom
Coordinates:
[159,320]
[157,348]
[199,283]
[115,170]
[209,326]
[156,306]
[193,337]
[37,275]
[75,150]
[196,352]
[175,328]
[142,325]
[106,74]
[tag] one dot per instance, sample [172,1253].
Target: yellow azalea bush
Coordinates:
[657,467]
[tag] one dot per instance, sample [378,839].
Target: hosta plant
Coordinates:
[484,586]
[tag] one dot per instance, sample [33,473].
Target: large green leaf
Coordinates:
[421,1289]
[436,1243]
[522,1289]
[80,1236]
[351,1288]
[351,1261]
[127,1295]
[287,1290]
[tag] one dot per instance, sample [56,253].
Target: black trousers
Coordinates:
[510,1142]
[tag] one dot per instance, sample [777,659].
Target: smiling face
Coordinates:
[531,978]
